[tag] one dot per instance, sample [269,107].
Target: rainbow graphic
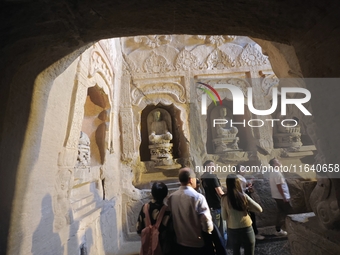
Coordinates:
[209,93]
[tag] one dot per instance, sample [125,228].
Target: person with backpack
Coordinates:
[152,221]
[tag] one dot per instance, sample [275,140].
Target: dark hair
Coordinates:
[271,162]
[207,163]
[235,194]
[185,174]
[159,191]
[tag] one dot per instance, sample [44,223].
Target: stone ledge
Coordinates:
[307,236]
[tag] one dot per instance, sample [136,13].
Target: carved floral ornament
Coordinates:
[232,56]
[174,89]
[216,39]
[153,41]
[270,81]
[251,56]
[157,64]
[99,65]
[186,61]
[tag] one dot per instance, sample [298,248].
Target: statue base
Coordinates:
[306,235]
[161,154]
[287,140]
[225,144]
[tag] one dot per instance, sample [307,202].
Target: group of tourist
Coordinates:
[193,222]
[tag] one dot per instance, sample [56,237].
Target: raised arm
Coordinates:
[253,206]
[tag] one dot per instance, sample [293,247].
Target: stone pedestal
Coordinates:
[288,137]
[307,236]
[161,154]
[226,144]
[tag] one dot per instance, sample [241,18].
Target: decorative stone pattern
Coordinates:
[219,60]
[251,56]
[153,41]
[186,61]
[173,87]
[157,64]
[99,65]
[223,56]
[84,153]
[216,39]
[270,81]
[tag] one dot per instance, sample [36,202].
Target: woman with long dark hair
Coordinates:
[235,206]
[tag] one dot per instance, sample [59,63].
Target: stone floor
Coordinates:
[271,245]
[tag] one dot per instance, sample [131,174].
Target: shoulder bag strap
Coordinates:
[147,216]
[160,216]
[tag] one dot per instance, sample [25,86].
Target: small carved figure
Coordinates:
[225,130]
[159,130]
[84,156]
[224,135]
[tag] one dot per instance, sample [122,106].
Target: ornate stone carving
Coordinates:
[219,60]
[153,41]
[251,57]
[84,152]
[269,82]
[324,203]
[216,39]
[288,136]
[155,87]
[157,64]
[99,65]
[186,61]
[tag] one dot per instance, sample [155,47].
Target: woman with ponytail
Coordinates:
[235,205]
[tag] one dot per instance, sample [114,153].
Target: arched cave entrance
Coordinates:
[58,34]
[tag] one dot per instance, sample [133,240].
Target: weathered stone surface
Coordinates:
[37,34]
[307,236]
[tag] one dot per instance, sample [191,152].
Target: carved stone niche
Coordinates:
[96,123]
[163,148]
[224,136]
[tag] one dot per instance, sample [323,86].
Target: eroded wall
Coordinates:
[67,206]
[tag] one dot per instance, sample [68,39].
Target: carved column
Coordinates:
[126,123]
[68,154]
[264,133]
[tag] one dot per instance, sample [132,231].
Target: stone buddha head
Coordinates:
[156,116]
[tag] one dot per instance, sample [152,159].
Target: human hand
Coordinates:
[285,200]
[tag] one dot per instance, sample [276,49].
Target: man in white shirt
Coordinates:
[190,213]
[280,193]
